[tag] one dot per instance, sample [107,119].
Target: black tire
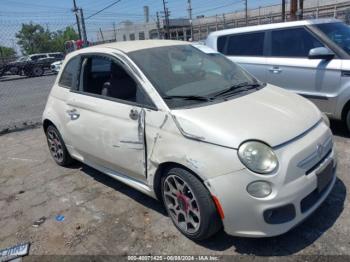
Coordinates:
[209,221]
[14,70]
[347,120]
[27,72]
[57,147]
[37,71]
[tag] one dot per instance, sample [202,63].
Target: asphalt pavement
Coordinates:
[88,213]
[22,100]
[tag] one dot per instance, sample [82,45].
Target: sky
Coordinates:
[57,14]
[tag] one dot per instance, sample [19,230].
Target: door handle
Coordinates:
[134,114]
[73,114]
[275,70]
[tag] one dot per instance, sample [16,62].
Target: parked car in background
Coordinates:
[56,66]
[311,58]
[185,125]
[32,65]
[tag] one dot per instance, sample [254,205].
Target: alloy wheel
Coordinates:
[181,204]
[55,145]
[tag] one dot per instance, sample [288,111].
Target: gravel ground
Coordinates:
[105,217]
[22,100]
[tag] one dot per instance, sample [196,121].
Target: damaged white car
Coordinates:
[185,125]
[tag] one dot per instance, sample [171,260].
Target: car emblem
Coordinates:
[320,149]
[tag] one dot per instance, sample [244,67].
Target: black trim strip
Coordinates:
[299,136]
[308,172]
[314,97]
[345,73]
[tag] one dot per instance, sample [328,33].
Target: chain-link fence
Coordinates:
[27,51]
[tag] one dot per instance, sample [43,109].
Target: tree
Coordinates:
[33,38]
[60,37]
[7,52]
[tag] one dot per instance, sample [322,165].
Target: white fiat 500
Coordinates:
[184,124]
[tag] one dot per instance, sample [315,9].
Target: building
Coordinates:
[202,25]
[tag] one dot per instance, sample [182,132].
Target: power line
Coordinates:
[218,7]
[100,11]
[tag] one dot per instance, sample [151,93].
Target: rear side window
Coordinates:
[69,77]
[221,43]
[251,44]
[294,42]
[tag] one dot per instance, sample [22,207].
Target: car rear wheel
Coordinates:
[189,204]
[37,71]
[57,147]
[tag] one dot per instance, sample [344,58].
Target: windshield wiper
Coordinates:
[235,89]
[189,97]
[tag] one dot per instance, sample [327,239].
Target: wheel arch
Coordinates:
[161,171]
[47,123]
[345,109]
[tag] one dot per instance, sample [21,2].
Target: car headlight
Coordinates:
[258,157]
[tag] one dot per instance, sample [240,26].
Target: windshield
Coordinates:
[183,75]
[21,59]
[339,33]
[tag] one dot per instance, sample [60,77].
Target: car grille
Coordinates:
[322,151]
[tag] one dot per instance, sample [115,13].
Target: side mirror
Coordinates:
[321,53]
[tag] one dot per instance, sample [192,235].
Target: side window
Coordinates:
[251,44]
[105,77]
[294,42]
[221,43]
[69,77]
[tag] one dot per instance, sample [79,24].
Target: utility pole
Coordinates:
[115,32]
[246,12]
[75,11]
[223,21]
[166,16]
[103,39]
[158,25]
[293,9]
[301,10]
[283,10]
[83,29]
[190,17]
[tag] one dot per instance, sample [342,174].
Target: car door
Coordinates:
[107,117]
[246,49]
[289,66]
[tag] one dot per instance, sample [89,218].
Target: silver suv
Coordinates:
[309,57]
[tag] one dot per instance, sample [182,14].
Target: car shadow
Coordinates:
[122,188]
[293,241]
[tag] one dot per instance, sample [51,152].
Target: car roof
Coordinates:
[130,46]
[271,26]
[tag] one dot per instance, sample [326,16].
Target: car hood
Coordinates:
[271,115]
[345,64]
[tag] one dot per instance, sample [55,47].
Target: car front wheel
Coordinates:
[57,147]
[189,204]
[347,120]
[37,71]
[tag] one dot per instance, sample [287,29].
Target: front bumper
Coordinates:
[294,190]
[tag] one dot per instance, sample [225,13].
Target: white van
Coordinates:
[311,58]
